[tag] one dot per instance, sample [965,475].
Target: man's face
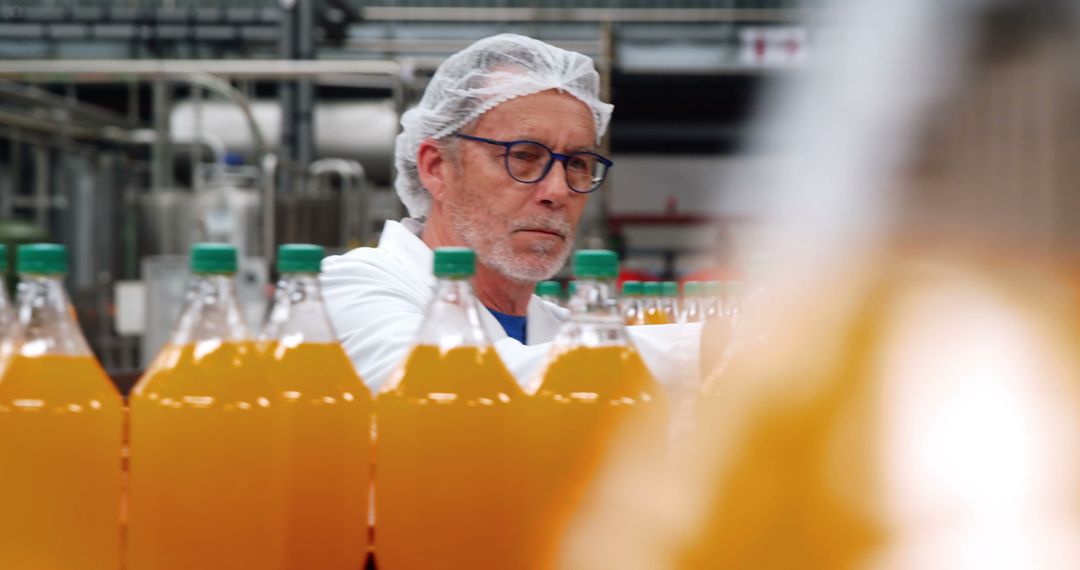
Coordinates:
[523,231]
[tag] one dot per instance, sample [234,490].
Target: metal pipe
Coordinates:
[196,149]
[523,14]
[448,46]
[161,175]
[123,70]
[36,140]
[15,174]
[41,187]
[28,94]
[42,125]
[354,202]
[270,163]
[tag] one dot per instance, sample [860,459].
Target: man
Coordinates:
[500,156]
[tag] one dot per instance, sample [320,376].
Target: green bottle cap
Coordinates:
[714,289]
[549,289]
[650,288]
[300,258]
[631,288]
[213,258]
[455,262]
[42,258]
[571,289]
[692,289]
[596,264]
[669,289]
[3,258]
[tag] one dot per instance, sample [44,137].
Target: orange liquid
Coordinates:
[634,315]
[448,490]
[205,457]
[328,455]
[655,316]
[589,397]
[61,426]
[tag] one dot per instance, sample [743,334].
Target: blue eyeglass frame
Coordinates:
[608,164]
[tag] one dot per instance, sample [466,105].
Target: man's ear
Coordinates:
[433,166]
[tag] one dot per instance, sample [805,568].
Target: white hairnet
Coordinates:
[475,80]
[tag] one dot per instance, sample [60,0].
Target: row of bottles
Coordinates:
[61,431]
[241,454]
[257,452]
[659,302]
[249,453]
[472,471]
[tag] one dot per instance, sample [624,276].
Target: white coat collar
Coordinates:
[402,240]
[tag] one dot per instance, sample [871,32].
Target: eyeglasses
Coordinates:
[529,162]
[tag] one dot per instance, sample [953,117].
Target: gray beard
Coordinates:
[499,255]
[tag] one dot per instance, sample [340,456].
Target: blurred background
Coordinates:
[131,129]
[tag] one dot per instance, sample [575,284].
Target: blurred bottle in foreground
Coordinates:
[916,403]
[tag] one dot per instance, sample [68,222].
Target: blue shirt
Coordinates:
[512,324]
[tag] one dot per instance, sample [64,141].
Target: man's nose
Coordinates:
[552,191]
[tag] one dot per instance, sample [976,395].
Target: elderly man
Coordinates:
[500,156]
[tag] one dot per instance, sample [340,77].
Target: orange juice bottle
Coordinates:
[205,453]
[694,303]
[327,410]
[550,291]
[595,393]
[631,306]
[61,431]
[669,301]
[654,312]
[448,491]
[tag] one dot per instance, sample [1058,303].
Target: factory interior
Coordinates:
[279,298]
[131,130]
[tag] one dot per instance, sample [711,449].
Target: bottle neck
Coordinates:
[212,312]
[594,298]
[46,319]
[453,317]
[594,317]
[299,314]
[7,313]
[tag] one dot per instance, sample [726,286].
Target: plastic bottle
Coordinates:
[61,433]
[550,291]
[448,488]
[694,304]
[328,414]
[669,301]
[713,292]
[594,390]
[206,461]
[9,325]
[654,311]
[632,309]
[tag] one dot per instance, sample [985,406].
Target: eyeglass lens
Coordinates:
[529,162]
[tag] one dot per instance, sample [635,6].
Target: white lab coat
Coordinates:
[377,297]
